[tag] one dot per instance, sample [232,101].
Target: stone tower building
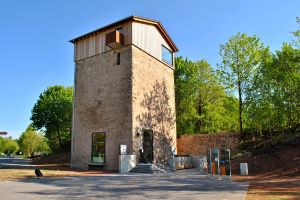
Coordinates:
[124,94]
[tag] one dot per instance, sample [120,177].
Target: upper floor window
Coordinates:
[120,30]
[167,55]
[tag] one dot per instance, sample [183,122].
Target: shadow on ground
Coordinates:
[130,187]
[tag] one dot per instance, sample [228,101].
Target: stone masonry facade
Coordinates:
[153,103]
[122,101]
[102,104]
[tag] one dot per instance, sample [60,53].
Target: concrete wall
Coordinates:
[126,163]
[198,144]
[200,162]
[153,103]
[183,162]
[102,104]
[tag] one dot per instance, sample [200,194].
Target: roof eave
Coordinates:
[133,18]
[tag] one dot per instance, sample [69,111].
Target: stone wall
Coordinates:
[153,103]
[122,101]
[102,104]
[198,144]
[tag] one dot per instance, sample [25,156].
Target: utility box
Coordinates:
[126,163]
[218,163]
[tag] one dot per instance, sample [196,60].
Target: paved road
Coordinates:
[125,187]
[15,163]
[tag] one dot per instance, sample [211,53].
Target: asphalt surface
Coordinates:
[15,163]
[115,186]
[183,184]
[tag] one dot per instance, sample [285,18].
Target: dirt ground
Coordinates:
[272,187]
[53,171]
[274,176]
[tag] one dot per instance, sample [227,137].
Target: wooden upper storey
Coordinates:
[149,35]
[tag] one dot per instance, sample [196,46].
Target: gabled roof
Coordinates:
[3,133]
[134,18]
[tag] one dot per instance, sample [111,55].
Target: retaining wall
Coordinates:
[198,144]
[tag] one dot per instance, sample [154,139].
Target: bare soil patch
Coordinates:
[274,176]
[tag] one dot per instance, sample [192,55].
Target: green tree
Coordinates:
[10,146]
[202,105]
[296,33]
[185,88]
[273,101]
[240,56]
[210,98]
[53,113]
[259,108]
[1,145]
[32,142]
[230,115]
[286,68]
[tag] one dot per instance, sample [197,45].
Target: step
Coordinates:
[151,168]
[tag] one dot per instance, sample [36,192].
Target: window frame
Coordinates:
[120,29]
[172,59]
[92,146]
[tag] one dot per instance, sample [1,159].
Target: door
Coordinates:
[148,146]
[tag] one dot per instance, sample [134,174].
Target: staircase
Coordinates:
[150,169]
[160,168]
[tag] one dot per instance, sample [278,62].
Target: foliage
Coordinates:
[273,101]
[185,81]
[240,56]
[1,145]
[53,113]
[9,146]
[267,85]
[296,33]
[201,102]
[32,142]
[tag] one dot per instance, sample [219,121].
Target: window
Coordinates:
[98,147]
[167,55]
[120,30]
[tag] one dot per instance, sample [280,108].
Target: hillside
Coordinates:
[285,160]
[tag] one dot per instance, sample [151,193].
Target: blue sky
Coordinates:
[34,35]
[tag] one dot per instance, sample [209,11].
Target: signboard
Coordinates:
[123,149]
[244,169]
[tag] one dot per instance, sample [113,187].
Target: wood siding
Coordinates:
[148,38]
[95,44]
[145,36]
